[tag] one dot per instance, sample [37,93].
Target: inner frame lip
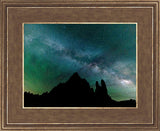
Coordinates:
[79,107]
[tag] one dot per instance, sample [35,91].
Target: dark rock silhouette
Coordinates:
[101,94]
[76,92]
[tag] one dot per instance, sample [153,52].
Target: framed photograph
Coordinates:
[79,65]
[54,63]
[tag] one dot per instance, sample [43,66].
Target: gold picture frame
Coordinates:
[14,13]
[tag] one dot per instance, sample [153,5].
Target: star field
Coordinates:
[53,52]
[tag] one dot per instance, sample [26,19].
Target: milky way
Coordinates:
[53,52]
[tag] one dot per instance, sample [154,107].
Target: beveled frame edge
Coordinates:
[3,6]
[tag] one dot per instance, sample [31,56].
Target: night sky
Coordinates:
[53,52]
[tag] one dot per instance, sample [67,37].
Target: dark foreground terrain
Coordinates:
[76,92]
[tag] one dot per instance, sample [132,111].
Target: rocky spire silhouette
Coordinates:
[101,94]
[75,92]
